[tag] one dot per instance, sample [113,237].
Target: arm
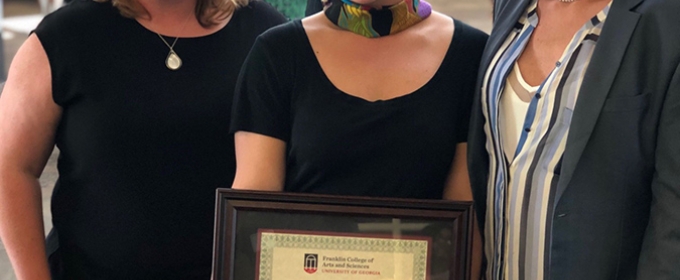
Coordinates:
[261,116]
[260,162]
[661,247]
[458,188]
[28,121]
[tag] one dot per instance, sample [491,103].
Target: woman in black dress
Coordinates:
[136,96]
[368,98]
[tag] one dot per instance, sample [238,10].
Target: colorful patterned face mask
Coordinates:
[373,23]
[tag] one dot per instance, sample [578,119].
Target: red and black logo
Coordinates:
[311,263]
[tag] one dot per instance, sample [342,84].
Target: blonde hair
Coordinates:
[208,12]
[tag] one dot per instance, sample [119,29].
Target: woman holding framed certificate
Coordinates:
[375,104]
[367,98]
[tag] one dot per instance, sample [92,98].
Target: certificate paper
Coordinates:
[286,255]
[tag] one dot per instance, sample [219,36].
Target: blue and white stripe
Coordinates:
[521,189]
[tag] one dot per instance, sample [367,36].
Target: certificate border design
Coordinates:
[269,239]
[231,203]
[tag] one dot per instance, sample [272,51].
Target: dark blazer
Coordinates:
[617,208]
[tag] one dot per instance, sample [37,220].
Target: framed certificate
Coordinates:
[287,236]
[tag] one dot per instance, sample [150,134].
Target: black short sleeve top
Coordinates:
[345,145]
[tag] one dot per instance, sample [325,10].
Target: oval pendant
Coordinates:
[173,62]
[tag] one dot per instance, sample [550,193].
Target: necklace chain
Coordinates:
[173,61]
[166,42]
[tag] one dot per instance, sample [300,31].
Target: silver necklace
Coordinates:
[566,1]
[173,62]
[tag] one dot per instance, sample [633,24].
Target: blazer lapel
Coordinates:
[606,60]
[507,17]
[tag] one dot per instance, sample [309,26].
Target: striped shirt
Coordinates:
[521,188]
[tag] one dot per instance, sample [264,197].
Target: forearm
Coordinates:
[477,247]
[21,225]
[260,162]
[477,252]
[458,189]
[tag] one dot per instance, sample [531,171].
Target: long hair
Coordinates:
[208,12]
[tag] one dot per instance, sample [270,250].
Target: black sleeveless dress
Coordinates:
[143,148]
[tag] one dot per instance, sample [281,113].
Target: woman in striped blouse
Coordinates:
[573,163]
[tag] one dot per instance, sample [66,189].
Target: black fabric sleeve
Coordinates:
[661,248]
[50,41]
[62,35]
[262,98]
[475,42]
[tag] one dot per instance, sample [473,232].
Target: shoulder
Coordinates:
[67,27]
[658,27]
[76,19]
[465,53]
[79,13]
[444,25]
[468,35]
[663,13]
[278,46]
[667,7]
[289,34]
[470,42]
[259,14]
[467,41]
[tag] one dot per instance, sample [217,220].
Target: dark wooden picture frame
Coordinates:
[231,203]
